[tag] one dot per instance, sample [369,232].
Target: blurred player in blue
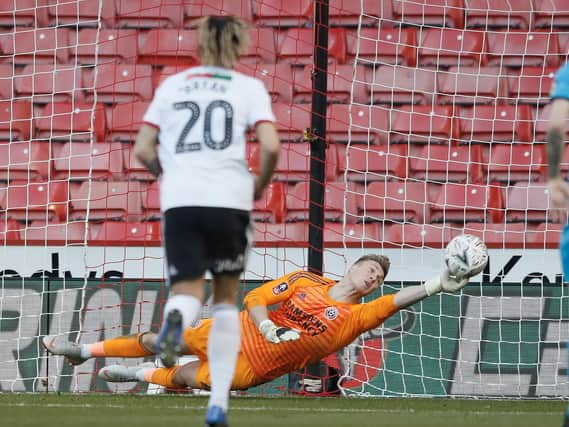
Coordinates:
[558,185]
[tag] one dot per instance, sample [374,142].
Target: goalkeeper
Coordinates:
[316,317]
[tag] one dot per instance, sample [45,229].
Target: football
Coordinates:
[466,256]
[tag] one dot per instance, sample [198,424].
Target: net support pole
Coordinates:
[318,137]
[317,378]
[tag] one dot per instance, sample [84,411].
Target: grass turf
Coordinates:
[87,410]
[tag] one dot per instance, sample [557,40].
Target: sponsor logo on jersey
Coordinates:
[279,289]
[331,313]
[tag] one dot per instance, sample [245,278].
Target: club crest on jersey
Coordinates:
[331,313]
[302,296]
[279,289]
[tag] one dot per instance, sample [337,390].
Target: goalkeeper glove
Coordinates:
[277,334]
[444,282]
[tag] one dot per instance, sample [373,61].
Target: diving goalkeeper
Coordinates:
[316,317]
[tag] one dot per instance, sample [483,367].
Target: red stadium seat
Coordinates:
[16,120]
[374,163]
[83,13]
[546,235]
[448,47]
[527,202]
[382,45]
[26,201]
[339,199]
[10,232]
[7,73]
[284,234]
[195,10]
[169,46]
[276,77]
[498,13]
[296,46]
[119,232]
[107,201]
[358,124]
[494,123]
[517,162]
[106,45]
[444,163]
[442,13]
[532,85]
[133,169]
[149,13]
[151,201]
[471,85]
[292,121]
[272,206]
[294,162]
[463,203]
[350,13]
[65,121]
[121,83]
[262,47]
[500,235]
[423,124]
[401,200]
[21,13]
[402,85]
[419,235]
[522,49]
[37,45]
[282,13]
[551,13]
[24,160]
[125,119]
[41,232]
[343,84]
[44,83]
[168,71]
[351,235]
[88,161]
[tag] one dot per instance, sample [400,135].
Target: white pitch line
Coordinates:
[235,408]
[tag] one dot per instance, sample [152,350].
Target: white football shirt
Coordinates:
[202,115]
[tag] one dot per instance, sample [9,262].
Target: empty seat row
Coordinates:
[403,201]
[438,47]
[153,13]
[358,163]
[387,85]
[389,234]
[420,124]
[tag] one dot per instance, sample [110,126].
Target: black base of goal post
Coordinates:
[317,379]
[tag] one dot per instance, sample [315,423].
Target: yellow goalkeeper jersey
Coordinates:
[325,325]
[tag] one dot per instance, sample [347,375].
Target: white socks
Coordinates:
[188,306]
[222,351]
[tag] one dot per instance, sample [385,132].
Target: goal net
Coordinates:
[436,118]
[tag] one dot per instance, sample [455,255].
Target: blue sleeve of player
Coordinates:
[561,83]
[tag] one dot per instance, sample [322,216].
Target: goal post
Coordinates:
[436,116]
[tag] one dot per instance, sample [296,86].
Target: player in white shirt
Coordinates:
[193,140]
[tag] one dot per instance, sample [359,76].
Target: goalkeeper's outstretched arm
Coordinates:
[443,282]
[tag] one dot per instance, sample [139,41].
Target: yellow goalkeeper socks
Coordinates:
[161,376]
[127,346]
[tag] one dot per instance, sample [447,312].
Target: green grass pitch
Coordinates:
[86,410]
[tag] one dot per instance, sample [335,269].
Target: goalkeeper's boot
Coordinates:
[168,343]
[70,350]
[215,417]
[123,374]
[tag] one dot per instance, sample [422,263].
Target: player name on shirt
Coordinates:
[199,82]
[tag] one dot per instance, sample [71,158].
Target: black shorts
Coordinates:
[198,239]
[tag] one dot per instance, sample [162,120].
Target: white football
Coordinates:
[466,256]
